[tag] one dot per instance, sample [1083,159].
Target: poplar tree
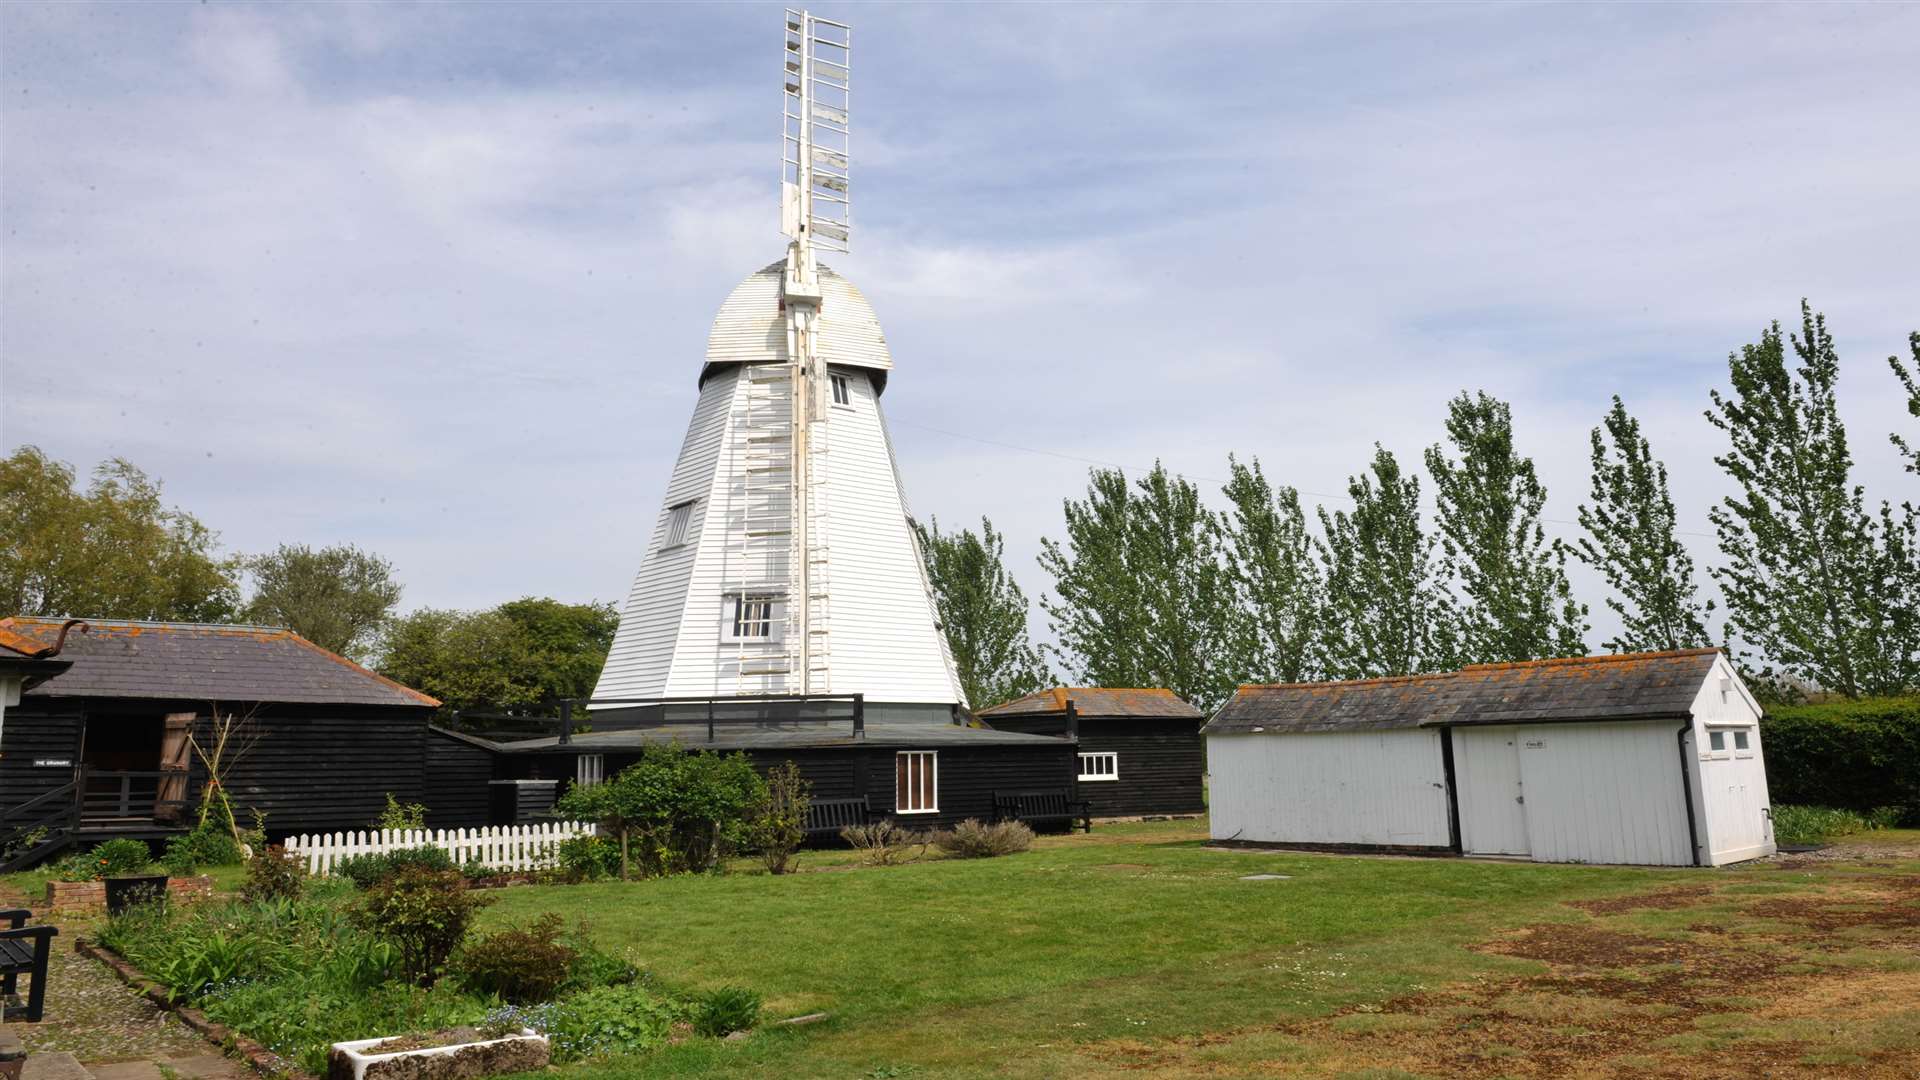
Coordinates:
[1383,613]
[1276,581]
[1816,587]
[1141,596]
[1631,540]
[1516,602]
[1910,378]
[982,612]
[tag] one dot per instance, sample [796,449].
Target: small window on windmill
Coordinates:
[752,617]
[678,519]
[842,390]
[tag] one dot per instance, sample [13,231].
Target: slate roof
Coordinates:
[784,735]
[1097,702]
[207,662]
[1633,686]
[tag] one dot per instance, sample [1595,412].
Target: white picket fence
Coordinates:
[500,847]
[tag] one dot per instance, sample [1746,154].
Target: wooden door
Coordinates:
[171,797]
[1493,812]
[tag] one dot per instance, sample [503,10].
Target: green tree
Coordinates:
[113,551]
[1910,378]
[1143,595]
[1817,589]
[1632,540]
[1517,603]
[685,809]
[983,613]
[1385,614]
[336,597]
[1278,589]
[519,658]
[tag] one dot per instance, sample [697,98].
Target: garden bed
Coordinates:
[90,897]
[448,1054]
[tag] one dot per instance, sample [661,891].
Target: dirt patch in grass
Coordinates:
[1700,1004]
[1664,900]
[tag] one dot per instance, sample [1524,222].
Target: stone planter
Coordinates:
[122,893]
[357,1060]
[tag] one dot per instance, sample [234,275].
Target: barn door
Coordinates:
[171,794]
[1493,811]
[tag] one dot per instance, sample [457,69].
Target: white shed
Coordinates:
[1646,758]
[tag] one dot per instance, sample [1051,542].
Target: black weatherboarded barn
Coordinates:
[1140,751]
[108,739]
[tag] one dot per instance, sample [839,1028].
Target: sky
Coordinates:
[436,280]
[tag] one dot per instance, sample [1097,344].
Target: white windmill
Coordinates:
[784,561]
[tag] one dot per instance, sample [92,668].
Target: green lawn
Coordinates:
[1013,966]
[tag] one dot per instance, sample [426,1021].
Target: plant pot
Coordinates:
[125,892]
[524,1052]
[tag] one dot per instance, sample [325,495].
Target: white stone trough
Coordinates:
[521,1052]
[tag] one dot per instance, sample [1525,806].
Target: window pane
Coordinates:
[677,519]
[900,795]
[842,393]
[1718,739]
[1740,740]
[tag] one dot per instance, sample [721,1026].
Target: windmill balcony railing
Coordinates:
[856,706]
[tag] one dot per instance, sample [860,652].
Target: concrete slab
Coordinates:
[127,1070]
[57,1066]
[206,1067]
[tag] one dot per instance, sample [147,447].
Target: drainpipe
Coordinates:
[1686,788]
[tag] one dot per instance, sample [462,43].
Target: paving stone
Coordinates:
[126,1070]
[59,1065]
[205,1067]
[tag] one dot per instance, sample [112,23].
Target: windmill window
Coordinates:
[916,782]
[751,616]
[589,769]
[842,390]
[678,519]
[1100,766]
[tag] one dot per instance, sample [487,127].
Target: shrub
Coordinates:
[114,858]
[1851,755]
[885,842]
[673,811]
[725,1011]
[1798,825]
[424,913]
[206,845]
[273,875]
[521,966]
[972,840]
[367,870]
[586,858]
[779,823]
[79,866]
[606,1020]
[401,816]
[594,966]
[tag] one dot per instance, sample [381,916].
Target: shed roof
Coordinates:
[1091,701]
[1631,686]
[207,662]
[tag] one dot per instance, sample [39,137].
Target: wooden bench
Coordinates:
[1053,806]
[826,817]
[23,951]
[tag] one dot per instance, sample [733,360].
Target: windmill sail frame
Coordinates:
[815,138]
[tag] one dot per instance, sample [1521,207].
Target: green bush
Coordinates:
[726,1010]
[973,840]
[521,966]
[367,870]
[114,858]
[423,913]
[206,845]
[1851,755]
[607,1020]
[778,825]
[1800,825]
[586,858]
[273,875]
[673,811]
[401,816]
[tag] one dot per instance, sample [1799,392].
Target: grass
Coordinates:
[1013,966]
[32,884]
[1804,825]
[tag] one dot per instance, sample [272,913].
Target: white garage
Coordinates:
[1647,758]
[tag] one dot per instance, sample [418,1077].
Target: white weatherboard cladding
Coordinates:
[1336,787]
[1493,812]
[1730,788]
[882,637]
[1604,793]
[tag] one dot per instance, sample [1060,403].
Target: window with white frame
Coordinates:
[589,769]
[1717,741]
[916,782]
[1742,742]
[751,616]
[842,390]
[1100,766]
[678,519]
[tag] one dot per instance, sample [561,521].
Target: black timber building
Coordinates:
[1138,753]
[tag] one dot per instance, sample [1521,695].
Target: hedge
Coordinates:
[1855,755]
